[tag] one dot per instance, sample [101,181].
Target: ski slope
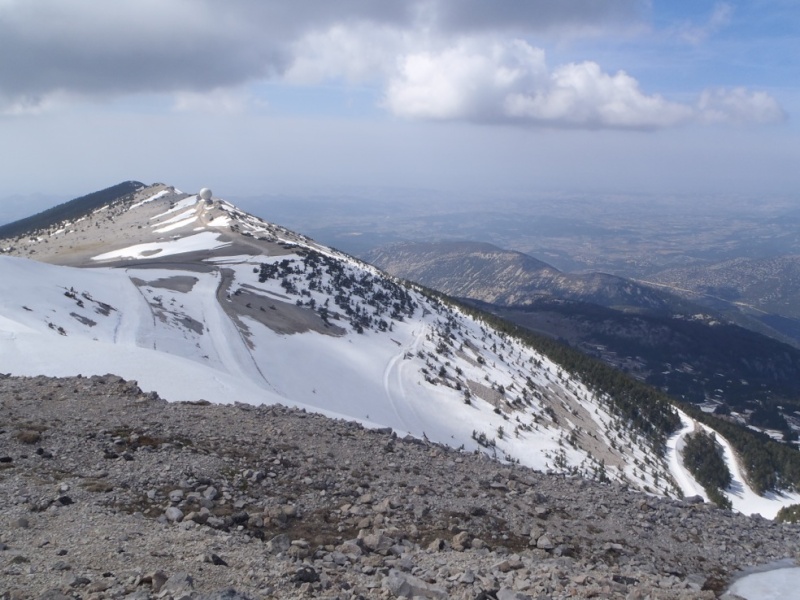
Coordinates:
[743,498]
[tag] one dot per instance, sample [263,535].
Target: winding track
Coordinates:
[683,478]
[393,384]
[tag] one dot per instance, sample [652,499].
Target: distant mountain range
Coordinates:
[197,299]
[490,274]
[764,290]
[691,352]
[729,256]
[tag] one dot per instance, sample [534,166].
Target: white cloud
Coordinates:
[696,34]
[469,81]
[355,53]
[583,95]
[484,80]
[217,101]
[738,105]
[487,81]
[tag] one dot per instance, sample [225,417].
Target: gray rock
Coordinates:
[544,543]
[378,542]
[535,533]
[178,586]
[306,574]
[54,595]
[437,545]
[79,581]
[403,585]
[227,594]
[213,559]
[174,514]
[280,543]
[509,594]
[98,586]
[503,566]
[215,522]
[197,517]
[460,540]
[298,553]
[351,549]
[383,507]
[157,579]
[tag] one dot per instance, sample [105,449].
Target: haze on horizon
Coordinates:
[262,97]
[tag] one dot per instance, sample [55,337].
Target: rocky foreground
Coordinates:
[108,492]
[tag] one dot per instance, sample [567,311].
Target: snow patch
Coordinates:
[176,225]
[155,196]
[221,221]
[180,205]
[193,243]
[775,584]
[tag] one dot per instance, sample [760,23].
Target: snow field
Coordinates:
[205,240]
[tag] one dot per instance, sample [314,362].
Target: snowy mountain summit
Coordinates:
[198,300]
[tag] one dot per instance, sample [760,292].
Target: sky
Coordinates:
[256,97]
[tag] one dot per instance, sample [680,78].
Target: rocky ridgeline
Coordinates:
[108,492]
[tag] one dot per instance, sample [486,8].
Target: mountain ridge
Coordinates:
[490,274]
[688,351]
[201,281]
[73,209]
[199,300]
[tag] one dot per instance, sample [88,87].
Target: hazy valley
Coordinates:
[736,256]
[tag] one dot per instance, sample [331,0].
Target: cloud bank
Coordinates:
[465,60]
[511,83]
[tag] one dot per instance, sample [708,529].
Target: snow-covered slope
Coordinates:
[198,300]
[743,498]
